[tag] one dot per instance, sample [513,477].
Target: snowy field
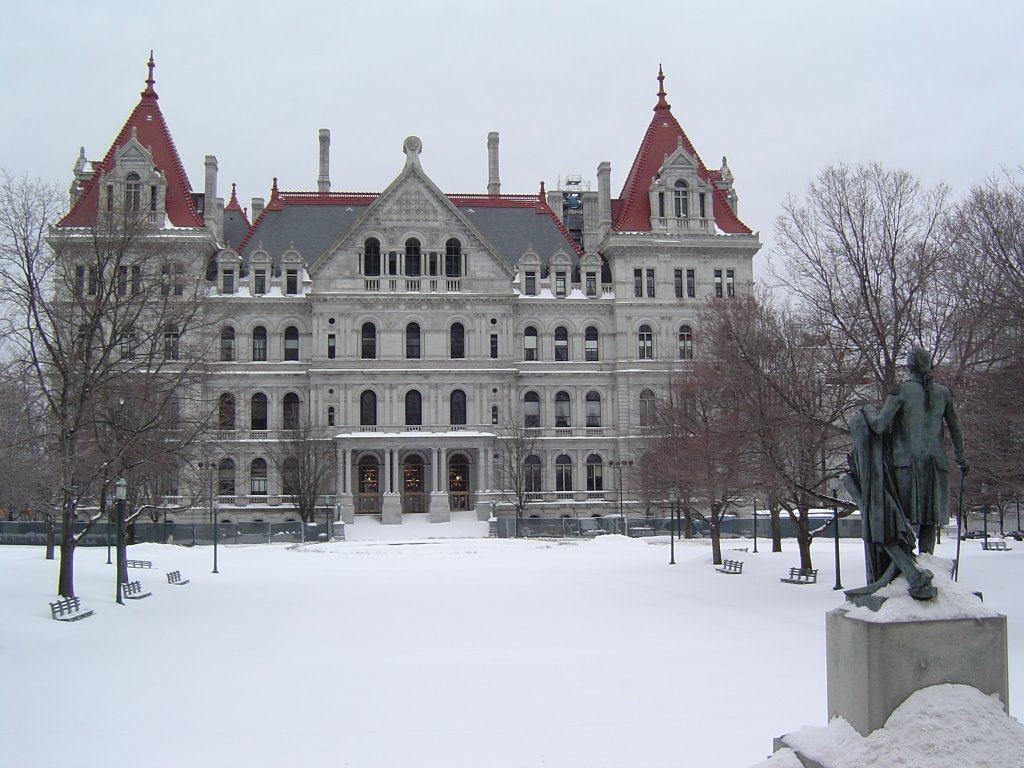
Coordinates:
[462,653]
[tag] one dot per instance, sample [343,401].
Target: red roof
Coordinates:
[151,131]
[662,137]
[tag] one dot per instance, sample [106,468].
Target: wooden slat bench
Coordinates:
[139,563]
[801,576]
[133,590]
[995,545]
[174,577]
[731,567]
[68,609]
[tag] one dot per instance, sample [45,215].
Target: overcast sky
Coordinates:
[782,88]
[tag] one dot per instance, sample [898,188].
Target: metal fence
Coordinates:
[589,527]
[186,534]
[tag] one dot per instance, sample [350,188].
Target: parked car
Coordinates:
[1017,535]
[974,535]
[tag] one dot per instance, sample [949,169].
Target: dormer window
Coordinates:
[132,192]
[681,200]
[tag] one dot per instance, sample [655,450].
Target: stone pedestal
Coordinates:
[391,509]
[439,511]
[873,666]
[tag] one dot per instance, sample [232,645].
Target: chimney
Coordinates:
[604,197]
[493,182]
[323,182]
[213,222]
[256,206]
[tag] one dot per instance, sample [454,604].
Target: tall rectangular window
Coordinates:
[650,283]
[677,283]
[152,199]
[718,283]
[638,283]
[691,283]
[332,346]
[661,205]
[79,281]
[229,281]
[702,198]
[494,346]
[730,283]
[591,283]
[531,283]
[122,280]
[93,281]
[136,279]
[560,284]
[110,197]
[291,286]
[259,282]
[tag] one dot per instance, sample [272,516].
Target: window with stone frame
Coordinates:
[563,409]
[561,343]
[258,412]
[258,477]
[563,473]
[591,339]
[259,344]
[291,343]
[595,473]
[685,342]
[648,408]
[371,257]
[413,408]
[530,343]
[645,343]
[368,342]
[593,408]
[412,341]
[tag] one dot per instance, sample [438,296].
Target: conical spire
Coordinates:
[662,104]
[150,93]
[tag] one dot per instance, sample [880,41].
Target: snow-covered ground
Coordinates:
[452,652]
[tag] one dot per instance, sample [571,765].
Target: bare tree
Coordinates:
[519,476]
[306,460]
[112,319]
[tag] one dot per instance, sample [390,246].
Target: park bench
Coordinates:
[139,563]
[731,566]
[994,545]
[174,577]
[133,590]
[68,609]
[801,576]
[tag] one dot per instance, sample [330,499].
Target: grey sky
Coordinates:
[781,88]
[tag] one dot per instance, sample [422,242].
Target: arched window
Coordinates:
[648,408]
[681,200]
[413,408]
[530,343]
[290,411]
[412,341]
[226,411]
[413,266]
[330,416]
[259,344]
[595,473]
[563,405]
[590,344]
[453,258]
[291,343]
[531,410]
[685,343]
[371,257]
[290,485]
[368,408]
[563,473]
[258,412]
[132,191]
[368,345]
[457,407]
[226,478]
[561,343]
[533,474]
[458,341]
[227,344]
[258,477]
[645,343]
[593,408]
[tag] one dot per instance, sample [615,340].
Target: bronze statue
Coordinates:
[899,476]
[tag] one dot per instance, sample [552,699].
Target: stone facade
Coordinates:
[417,331]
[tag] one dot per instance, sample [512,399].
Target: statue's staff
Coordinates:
[959,522]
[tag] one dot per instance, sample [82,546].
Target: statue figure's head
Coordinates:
[919,361]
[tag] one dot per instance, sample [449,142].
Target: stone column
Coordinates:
[391,503]
[440,511]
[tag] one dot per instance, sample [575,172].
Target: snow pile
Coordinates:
[944,726]
[954,601]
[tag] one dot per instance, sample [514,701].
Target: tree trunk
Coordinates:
[776,531]
[716,540]
[51,537]
[803,540]
[66,570]
[688,527]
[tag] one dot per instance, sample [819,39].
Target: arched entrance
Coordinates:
[413,499]
[458,482]
[368,486]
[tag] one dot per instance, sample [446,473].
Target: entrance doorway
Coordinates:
[458,482]
[368,486]
[412,485]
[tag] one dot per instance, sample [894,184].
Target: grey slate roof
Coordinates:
[235,228]
[513,231]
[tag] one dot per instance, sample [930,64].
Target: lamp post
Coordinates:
[120,494]
[755,525]
[620,465]
[672,525]
[211,467]
[835,532]
[984,518]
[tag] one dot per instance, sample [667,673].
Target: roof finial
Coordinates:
[662,104]
[149,80]
[543,194]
